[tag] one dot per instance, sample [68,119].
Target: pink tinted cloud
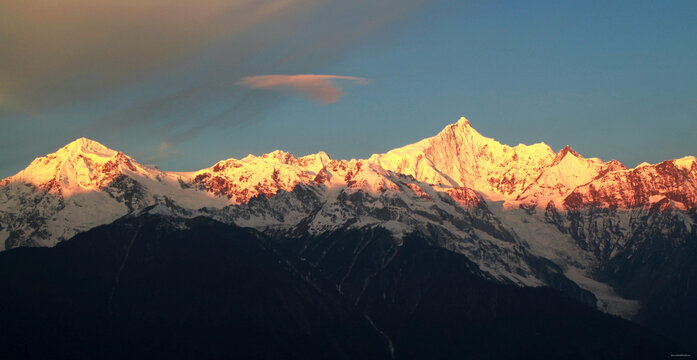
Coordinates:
[320,88]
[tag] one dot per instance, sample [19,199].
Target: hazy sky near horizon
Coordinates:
[185,84]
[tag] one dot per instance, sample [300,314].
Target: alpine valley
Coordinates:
[454,246]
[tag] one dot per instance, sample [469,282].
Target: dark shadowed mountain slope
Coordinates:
[158,287]
[436,304]
[622,240]
[142,288]
[444,306]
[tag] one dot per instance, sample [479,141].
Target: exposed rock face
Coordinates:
[241,180]
[524,215]
[80,186]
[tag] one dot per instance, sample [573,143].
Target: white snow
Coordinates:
[458,160]
[608,300]
[685,163]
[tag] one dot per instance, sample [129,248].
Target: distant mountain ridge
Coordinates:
[525,215]
[456,157]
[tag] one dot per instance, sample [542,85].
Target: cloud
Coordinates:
[320,88]
[167,70]
[61,52]
[91,46]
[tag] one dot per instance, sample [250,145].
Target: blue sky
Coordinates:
[612,79]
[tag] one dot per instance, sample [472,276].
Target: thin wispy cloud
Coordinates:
[56,51]
[167,69]
[320,88]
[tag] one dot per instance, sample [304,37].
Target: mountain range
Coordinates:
[453,213]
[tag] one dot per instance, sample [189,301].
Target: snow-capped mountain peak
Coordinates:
[461,156]
[84,145]
[241,180]
[565,151]
[80,166]
[457,157]
[687,163]
[467,192]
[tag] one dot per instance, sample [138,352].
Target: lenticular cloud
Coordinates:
[320,88]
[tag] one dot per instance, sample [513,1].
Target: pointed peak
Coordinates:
[273,156]
[614,165]
[79,166]
[463,122]
[83,141]
[464,127]
[685,163]
[566,150]
[84,145]
[280,155]
[610,166]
